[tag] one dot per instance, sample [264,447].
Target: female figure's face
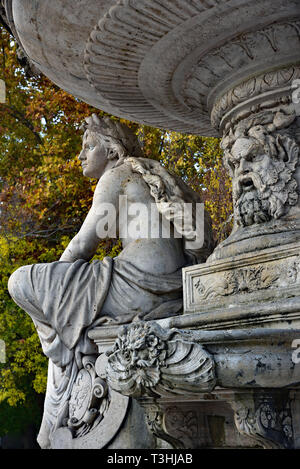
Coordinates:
[93,156]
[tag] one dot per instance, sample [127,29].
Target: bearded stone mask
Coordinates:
[262,168]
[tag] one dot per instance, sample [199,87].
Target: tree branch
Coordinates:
[21,118]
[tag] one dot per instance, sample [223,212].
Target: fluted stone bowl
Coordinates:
[175,64]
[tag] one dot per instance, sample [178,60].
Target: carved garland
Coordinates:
[237,282]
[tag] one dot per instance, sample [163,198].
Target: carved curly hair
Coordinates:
[119,139]
[264,130]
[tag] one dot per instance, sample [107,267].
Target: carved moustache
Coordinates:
[247,182]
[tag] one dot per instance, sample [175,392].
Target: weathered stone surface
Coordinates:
[256,374]
[103,52]
[226,67]
[262,357]
[265,282]
[69,297]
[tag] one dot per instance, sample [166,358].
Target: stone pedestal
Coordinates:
[258,289]
[161,387]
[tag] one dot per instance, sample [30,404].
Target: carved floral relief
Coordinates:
[248,279]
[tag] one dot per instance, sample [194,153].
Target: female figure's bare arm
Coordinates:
[104,211]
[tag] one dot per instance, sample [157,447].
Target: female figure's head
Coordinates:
[105,145]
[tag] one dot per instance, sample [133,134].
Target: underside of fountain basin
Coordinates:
[165,63]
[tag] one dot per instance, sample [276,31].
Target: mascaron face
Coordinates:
[247,158]
[93,156]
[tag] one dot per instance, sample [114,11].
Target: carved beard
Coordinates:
[262,197]
[250,209]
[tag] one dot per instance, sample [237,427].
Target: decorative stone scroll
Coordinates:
[266,418]
[155,418]
[95,412]
[89,400]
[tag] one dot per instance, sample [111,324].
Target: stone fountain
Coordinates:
[227,370]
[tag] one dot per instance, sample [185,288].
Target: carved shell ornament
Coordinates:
[150,361]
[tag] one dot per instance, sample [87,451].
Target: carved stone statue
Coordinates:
[67,298]
[216,68]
